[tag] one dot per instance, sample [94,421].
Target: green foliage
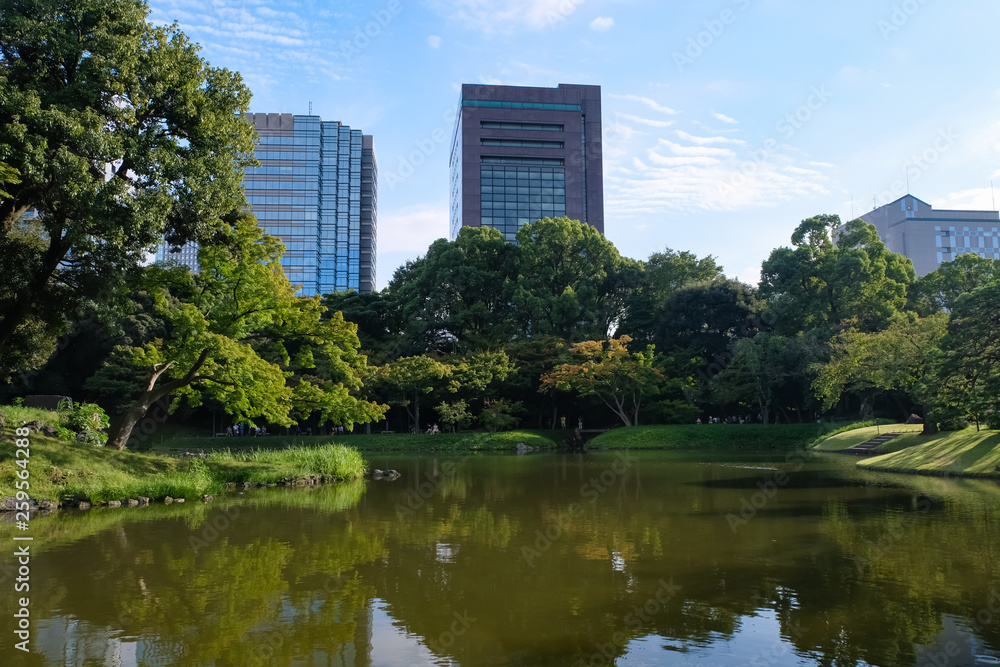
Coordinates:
[454,415]
[963,380]
[87,86]
[83,416]
[239,336]
[572,281]
[940,289]
[501,415]
[608,371]
[819,285]
[891,359]
[992,418]
[759,367]
[409,379]
[660,277]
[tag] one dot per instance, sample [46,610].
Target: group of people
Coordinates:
[741,419]
[241,430]
[433,430]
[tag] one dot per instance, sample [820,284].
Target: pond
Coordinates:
[601,558]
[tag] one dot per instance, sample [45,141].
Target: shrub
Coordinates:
[992,419]
[83,416]
[500,415]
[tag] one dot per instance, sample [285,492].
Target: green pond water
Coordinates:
[602,558]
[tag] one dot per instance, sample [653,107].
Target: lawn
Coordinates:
[847,439]
[965,452]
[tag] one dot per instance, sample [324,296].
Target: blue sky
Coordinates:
[726,122]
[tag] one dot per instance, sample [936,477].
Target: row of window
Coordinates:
[520,105]
[499,125]
[527,189]
[270,170]
[272,200]
[532,198]
[521,143]
[514,160]
[307,183]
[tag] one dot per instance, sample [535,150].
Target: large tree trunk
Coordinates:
[121,425]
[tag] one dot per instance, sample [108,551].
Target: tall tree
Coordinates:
[658,279]
[965,373]
[607,370]
[409,379]
[818,284]
[941,288]
[759,368]
[887,360]
[572,281]
[121,134]
[236,333]
[458,297]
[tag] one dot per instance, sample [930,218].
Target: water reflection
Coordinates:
[591,559]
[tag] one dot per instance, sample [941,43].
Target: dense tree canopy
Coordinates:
[235,332]
[116,133]
[818,284]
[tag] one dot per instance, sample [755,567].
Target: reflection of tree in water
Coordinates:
[292,577]
[273,579]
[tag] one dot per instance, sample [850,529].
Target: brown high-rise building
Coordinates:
[519,154]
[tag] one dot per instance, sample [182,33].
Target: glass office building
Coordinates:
[519,154]
[316,190]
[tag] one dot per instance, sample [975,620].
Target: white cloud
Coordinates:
[505,15]
[975,199]
[674,170]
[434,41]
[646,121]
[701,151]
[724,118]
[652,104]
[701,141]
[602,23]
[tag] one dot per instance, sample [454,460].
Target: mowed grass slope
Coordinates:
[846,440]
[965,452]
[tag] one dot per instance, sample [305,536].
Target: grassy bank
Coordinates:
[60,469]
[847,439]
[397,442]
[966,453]
[748,437]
